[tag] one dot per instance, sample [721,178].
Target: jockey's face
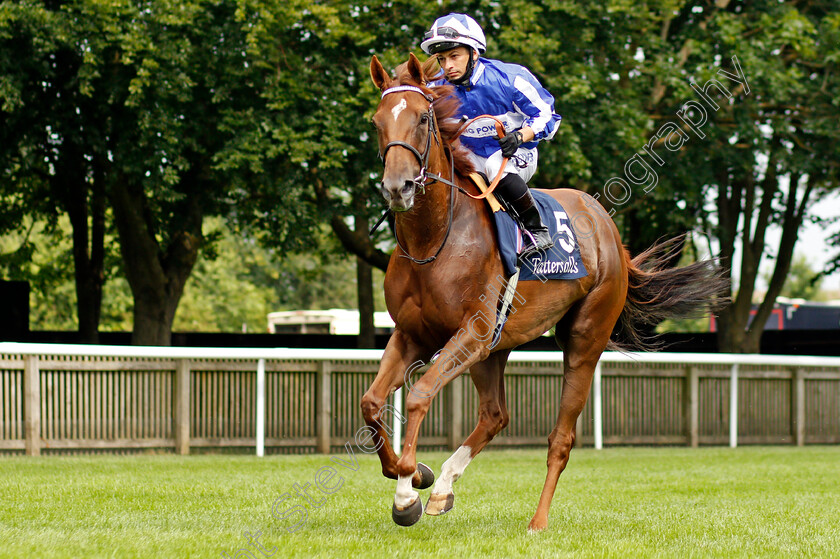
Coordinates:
[454,62]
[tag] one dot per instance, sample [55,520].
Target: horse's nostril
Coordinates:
[407,187]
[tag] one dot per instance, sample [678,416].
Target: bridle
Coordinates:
[422,179]
[422,158]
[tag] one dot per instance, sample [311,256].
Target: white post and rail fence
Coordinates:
[80,398]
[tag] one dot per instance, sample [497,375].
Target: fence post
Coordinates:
[692,406]
[260,408]
[32,405]
[182,406]
[323,407]
[596,408]
[455,413]
[733,407]
[797,406]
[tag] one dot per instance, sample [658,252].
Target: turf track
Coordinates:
[620,502]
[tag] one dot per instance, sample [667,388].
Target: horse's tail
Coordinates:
[658,291]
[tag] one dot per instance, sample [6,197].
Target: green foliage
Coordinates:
[311,62]
[239,282]
[117,305]
[258,111]
[40,254]
[235,286]
[232,288]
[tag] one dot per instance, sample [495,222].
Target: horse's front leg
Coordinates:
[400,355]
[455,358]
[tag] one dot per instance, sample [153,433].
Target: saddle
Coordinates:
[560,262]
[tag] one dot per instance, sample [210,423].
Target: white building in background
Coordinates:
[332,321]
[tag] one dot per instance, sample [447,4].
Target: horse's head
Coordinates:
[405,125]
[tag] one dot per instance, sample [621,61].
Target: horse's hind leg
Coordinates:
[488,377]
[583,334]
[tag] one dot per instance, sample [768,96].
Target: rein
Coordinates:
[421,180]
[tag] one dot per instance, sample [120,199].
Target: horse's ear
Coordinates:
[380,77]
[415,69]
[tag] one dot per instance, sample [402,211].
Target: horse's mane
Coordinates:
[446,107]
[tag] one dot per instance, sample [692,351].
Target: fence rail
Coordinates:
[60,398]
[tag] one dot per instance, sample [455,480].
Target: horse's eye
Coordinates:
[424,119]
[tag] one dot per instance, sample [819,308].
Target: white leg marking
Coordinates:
[405,493]
[451,470]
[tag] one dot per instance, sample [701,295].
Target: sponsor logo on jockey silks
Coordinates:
[483,130]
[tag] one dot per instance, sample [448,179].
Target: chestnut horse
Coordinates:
[444,270]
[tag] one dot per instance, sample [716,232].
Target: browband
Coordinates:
[399,88]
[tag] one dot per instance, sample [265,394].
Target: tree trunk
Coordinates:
[157,275]
[791,222]
[364,287]
[364,279]
[90,279]
[729,326]
[736,332]
[71,186]
[153,320]
[731,332]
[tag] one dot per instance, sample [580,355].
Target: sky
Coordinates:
[811,242]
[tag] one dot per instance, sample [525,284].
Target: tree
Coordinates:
[314,60]
[237,282]
[49,133]
[764,146]
[258,110]
[136,107]
[770,156]
[174,73]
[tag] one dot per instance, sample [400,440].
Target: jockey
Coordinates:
[510,93]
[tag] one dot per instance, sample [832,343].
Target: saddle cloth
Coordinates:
[562,261]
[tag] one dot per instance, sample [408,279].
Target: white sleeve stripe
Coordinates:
[533,96]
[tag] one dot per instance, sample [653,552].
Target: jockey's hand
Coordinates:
[510,143]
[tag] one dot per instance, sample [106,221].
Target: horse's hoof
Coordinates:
[427,477]
[409,515]
[536,526]
[440,504]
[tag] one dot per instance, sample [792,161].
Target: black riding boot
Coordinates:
[529,219]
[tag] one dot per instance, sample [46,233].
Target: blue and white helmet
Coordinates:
[451,31]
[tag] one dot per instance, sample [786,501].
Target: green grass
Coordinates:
[620,502]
